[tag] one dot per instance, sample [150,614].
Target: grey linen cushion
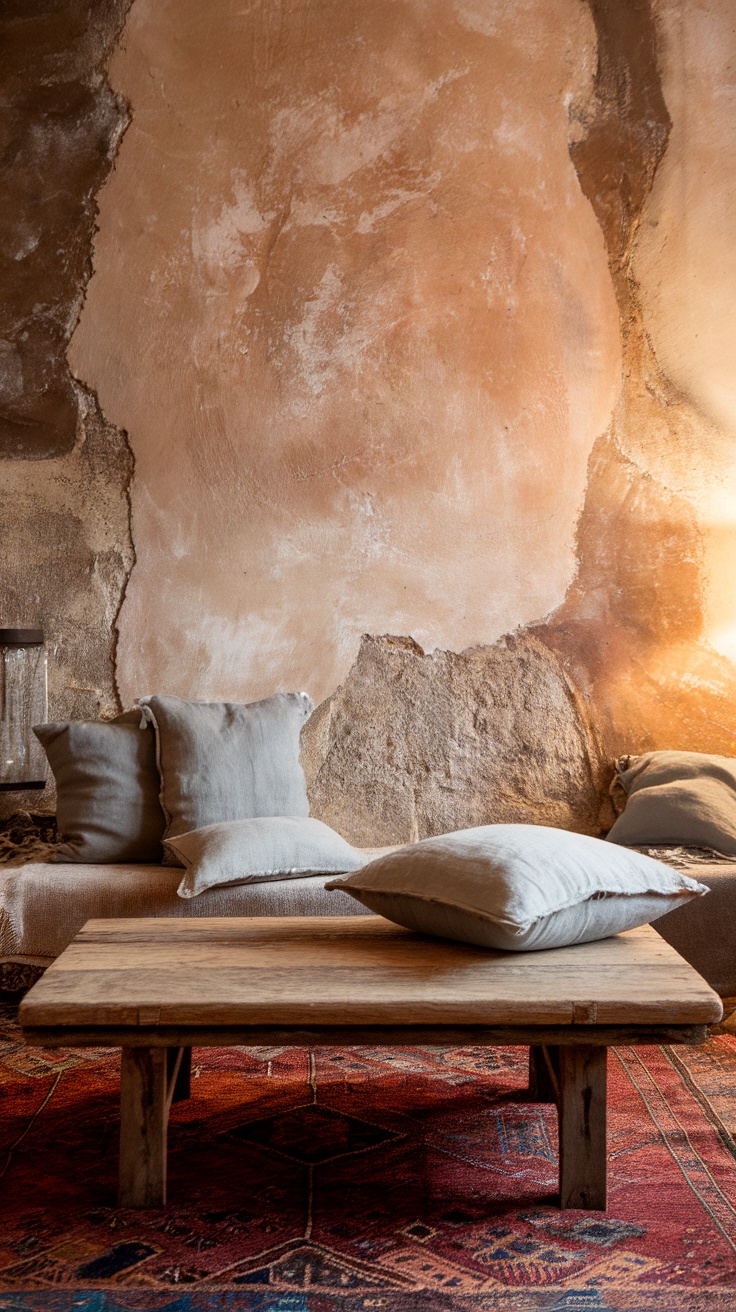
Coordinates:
[226,761]
[518,887]
[685,798]
[107,789]
[260,850]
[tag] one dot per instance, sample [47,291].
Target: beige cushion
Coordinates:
[518,887]
[677,797]
[225,761]
[259,850]
[107,788]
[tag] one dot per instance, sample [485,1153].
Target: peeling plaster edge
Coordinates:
[620,268]
[125,116]
[638,347]
[623,265]
[125,111]
[115,631]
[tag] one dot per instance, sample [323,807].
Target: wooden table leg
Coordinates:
[582,1127]
[544,1073]
[144,1106]
[181,1068]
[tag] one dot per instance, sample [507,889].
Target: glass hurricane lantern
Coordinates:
[23,703]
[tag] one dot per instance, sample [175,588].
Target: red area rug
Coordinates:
[348,1180]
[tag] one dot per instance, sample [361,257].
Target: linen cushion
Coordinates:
[687,798]
[107,789]
[260,850]
[518,887]
[226,761]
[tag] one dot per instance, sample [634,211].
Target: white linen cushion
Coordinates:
[518,887]
[260,850]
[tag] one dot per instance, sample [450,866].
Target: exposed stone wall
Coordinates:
[64,469]
[62,124]
[27,837]
[415,744]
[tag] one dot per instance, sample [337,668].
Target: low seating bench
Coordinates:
[43,906]
[157,987]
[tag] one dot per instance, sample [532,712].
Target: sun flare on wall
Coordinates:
[720,600]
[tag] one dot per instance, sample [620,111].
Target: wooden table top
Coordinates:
[352,971]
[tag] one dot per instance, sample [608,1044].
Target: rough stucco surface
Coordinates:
[416,316]
[633,632]
[416,744]
[65,471]
[686,263]
[354,312]
[61,125]
[70,559]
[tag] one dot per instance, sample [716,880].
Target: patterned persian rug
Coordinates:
[368,1180]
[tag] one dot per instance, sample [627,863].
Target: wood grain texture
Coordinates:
[144,1104]
[483,1036]
[350,971]
[179,1073]
[581,1113]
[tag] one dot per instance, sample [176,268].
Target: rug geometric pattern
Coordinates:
[367,1180]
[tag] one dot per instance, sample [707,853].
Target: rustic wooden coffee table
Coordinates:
[157,987]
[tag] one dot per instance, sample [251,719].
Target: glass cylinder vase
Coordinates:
[23,703]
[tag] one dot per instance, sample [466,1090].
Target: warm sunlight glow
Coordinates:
[720,569]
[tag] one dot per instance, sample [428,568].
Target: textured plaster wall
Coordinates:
[416,318]
[64,469]
[686,262]
[354,312]
[61,126]
[654,583]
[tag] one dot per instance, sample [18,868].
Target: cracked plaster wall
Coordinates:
[644,630]
[64,469]
[686,264]
[416,316]
[355,314]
